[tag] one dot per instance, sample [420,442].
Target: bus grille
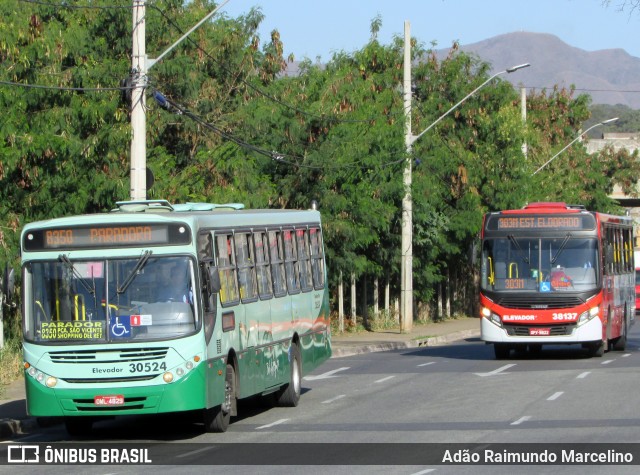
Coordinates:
[537,302]
[116,355]
[121,379]
[522,330]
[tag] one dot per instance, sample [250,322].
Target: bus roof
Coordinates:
[200,214]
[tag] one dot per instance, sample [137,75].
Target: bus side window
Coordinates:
[226,269]
[276,255]
[317,258]
[261,242]
[291,262]
[246,270]
[302,239]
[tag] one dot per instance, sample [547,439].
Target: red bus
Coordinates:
[553,273]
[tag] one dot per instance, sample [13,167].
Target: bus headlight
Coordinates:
[492,317]
[51,382]
[588,315]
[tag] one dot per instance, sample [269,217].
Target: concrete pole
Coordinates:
[138,115]
[406,267]
[523,110]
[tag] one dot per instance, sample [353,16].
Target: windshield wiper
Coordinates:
[139,265]
[560,249]
[515,243]
[65,260]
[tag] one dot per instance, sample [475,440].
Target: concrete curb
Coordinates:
[401,345]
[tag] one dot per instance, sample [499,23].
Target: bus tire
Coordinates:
[78,426]
[501,351]
[289,395]
[620,343]
[216,419]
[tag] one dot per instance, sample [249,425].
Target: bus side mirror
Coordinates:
[214,279]
[8,284]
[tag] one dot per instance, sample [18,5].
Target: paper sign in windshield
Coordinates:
[77,330]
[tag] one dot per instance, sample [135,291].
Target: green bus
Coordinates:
[156,308]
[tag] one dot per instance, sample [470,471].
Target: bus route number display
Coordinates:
[566,222]
[102,236]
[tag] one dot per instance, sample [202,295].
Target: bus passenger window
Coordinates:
[317,262]
[277,264]
[262,264]
[291,262]
[227,270]
[246,269]
[302,239]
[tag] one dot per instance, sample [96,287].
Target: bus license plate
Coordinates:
[539,331]
[111,400]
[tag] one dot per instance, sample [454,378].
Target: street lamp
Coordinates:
[573,141]
[406,266]
[506,71]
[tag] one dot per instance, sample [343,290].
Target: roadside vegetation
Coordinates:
[11,353]
[231,125]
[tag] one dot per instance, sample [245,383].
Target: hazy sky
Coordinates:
[311,28]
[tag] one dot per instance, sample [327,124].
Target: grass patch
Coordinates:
[10,362]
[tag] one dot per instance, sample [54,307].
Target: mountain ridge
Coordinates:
[609,76]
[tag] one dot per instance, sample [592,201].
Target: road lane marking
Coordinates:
[583,375]
[607,362]
[426,364]
[327,375]
[280,421]
[555,396]
[521,420]
[429,470]
[333,399]
[496,371]
[625,355]
[385,379]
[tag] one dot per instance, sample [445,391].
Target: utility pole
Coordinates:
[406,266]
[523,112]
[140,64]
[138,184]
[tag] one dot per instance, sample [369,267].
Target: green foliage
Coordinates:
[628,119]
[239,130]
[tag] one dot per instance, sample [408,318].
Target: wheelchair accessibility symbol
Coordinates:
[120,327]
[545,287]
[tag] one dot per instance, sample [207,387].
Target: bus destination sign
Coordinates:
[103,236]
[571,222]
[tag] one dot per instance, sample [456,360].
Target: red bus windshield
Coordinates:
[540,264]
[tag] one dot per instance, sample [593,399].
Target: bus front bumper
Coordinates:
[186,394]
[588,332]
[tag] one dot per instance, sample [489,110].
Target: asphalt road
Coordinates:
[453,394]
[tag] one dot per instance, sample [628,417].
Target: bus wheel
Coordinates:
[501,351]
[289,395]
[217,418]
[620,343]
[78,426]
